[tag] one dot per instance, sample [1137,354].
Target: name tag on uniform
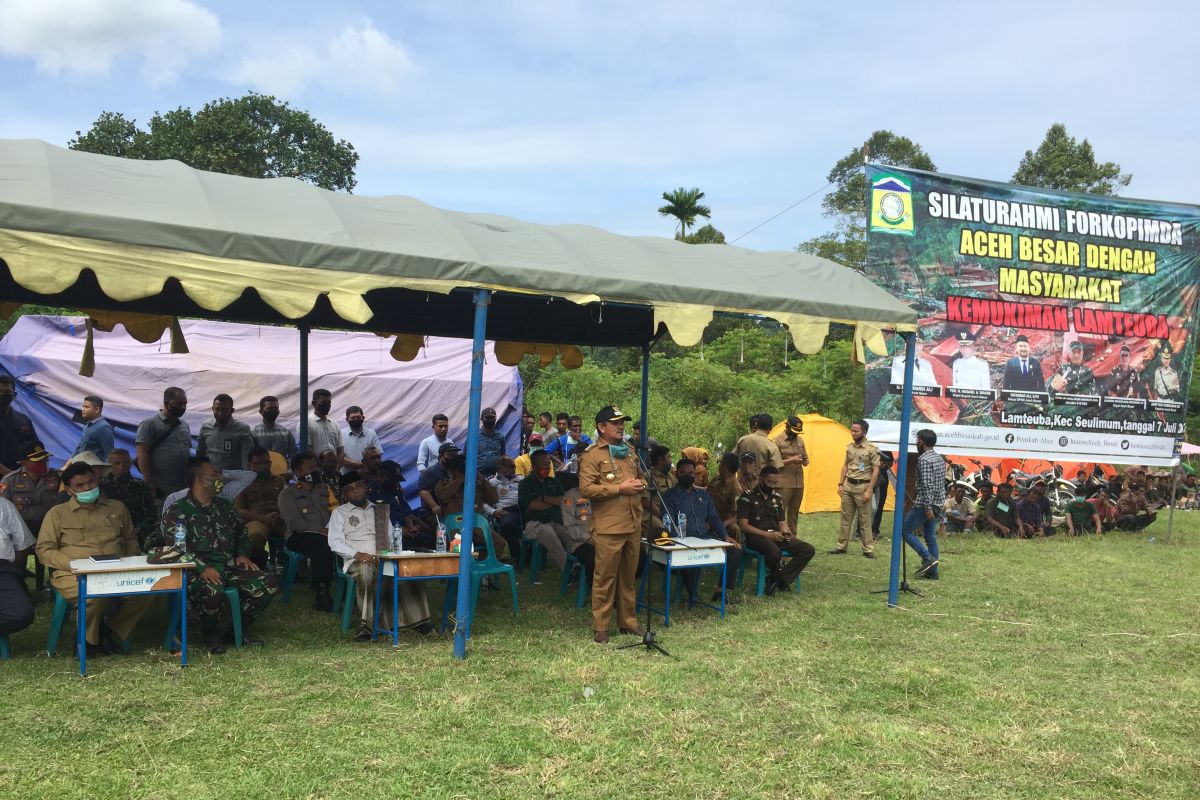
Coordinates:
[229,445]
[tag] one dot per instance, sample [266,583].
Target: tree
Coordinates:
[255,136]
[1062,163]
[846,204]
[684,205]
[703,235]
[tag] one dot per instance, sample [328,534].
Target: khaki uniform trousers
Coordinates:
[123,612]
[853,505]
[260,533]
[616,568]
[791,505]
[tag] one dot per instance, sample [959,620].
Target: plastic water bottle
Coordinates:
[180,537]
[681,524]
[397,537]
[441,537]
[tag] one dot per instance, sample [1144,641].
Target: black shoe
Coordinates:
[322,601]
[783,585]
[94,650]
[729,599]
[363,635]
[247,639]
[770,590]
[836,552]
[109,643]
[214,645]
[926,566]
[868,555]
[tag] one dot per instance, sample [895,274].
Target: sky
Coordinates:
[585,113]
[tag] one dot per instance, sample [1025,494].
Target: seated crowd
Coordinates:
[249,492]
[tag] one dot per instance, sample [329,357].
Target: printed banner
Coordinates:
[1055,325]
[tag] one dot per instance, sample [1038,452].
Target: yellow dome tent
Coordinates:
[826,442]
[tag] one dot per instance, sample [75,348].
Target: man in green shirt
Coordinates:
[1082,516]
[540,497]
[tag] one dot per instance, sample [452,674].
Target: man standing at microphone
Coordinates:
[609,477]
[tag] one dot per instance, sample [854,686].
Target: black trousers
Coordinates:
[1132,522]
[802,552]
[586,554]
[16,612]
[316,547]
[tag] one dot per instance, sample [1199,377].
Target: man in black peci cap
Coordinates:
[610,478]
[436,473]
[1023,372]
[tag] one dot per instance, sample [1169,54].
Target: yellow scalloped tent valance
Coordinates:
[510,353]
[146,328]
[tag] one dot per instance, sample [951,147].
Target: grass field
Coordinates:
[1033,669]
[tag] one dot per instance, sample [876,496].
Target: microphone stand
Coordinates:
[648,639]
[904,587]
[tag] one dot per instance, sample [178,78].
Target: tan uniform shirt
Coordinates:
[861,461]
[791,476]
[765,450]
[262,496]
[73,530]
[724,493]
[600,478]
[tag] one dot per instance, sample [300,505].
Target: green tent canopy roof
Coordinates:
[160,236]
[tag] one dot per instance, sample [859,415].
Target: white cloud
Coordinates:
[360,58]
[88,36]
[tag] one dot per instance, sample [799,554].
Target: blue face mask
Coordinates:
[619,450]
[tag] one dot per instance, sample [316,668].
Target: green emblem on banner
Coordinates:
[891,205]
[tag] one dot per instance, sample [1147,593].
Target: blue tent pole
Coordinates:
[462,622]
[303,387]
[645,399]
[910,340]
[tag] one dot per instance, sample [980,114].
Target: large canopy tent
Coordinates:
[108,234]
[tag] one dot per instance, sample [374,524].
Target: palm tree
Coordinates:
[684,205]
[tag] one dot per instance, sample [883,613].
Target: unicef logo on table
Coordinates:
[1062,441]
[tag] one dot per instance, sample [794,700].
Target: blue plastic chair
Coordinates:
[294,560]
[534,554]
[480,567]
[58,617]
[760,586]
[235,617]
[585,586]
[5,653]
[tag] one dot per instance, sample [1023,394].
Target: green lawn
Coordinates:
[1033,669]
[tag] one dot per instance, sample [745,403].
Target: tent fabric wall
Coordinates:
[248,361]
[826,442]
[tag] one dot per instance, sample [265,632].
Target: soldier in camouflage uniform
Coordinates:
[1074,377]
[217,541]
[135,493]
[1124,380]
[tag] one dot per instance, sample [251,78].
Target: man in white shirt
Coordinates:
[922,369]
[960,511]
[358,531]
[324,433]
[16,612]
[504,513]
[970,371]
[427,454]
[356,439]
